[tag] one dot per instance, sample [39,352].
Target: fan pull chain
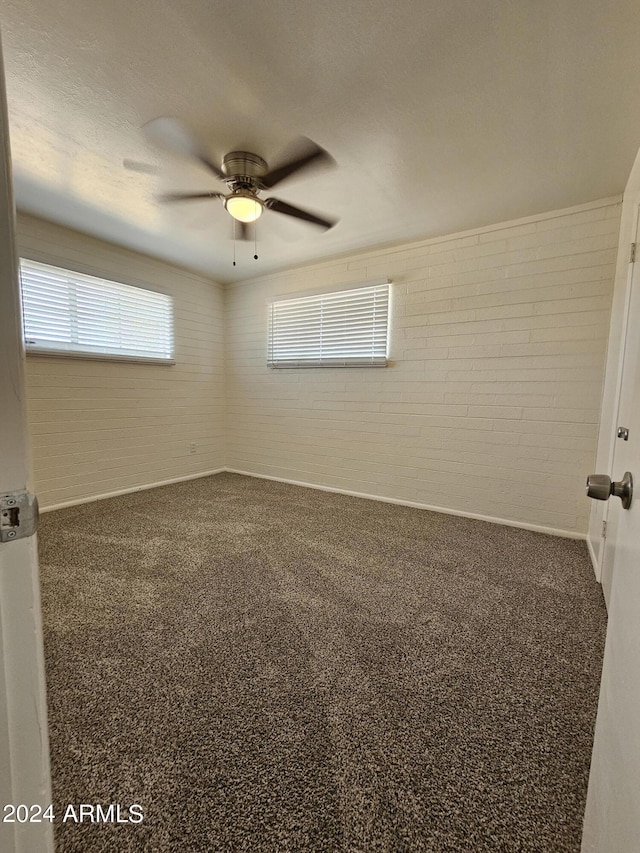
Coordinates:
[255,241]
[233,227]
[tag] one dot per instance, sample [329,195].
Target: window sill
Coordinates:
[342,365]
[90,356]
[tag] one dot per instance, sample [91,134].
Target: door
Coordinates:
[612,818]
[24,749]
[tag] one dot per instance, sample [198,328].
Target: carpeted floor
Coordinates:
[264,667]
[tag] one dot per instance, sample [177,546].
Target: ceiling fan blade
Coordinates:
[173,135]
[298,213]
[307,154]
[136,166]
[188,196]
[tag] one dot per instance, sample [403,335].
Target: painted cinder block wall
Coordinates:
[99,427]
[491,402]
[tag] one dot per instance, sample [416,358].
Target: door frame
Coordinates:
[607,551]
[610,510]
[612,385]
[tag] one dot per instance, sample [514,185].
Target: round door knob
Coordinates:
[599,487]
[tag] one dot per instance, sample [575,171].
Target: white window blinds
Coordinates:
[347,328]
[67,312]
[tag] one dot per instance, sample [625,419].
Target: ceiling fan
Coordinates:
[246,174]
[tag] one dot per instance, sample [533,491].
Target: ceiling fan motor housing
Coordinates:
[244,169]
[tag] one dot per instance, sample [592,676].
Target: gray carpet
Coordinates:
[265,667]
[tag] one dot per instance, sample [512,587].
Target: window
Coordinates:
[67,313]
[346,328]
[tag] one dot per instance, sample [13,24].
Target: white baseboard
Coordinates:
[115,494]
[551,531]
[594,559]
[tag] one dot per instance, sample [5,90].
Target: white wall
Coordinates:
[491,403]
[98,426]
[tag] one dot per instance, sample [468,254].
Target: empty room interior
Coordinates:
[317,320]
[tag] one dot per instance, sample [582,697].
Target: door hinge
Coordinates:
[18,516]
[604,529]
[632,254]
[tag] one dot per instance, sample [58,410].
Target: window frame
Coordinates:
[45,351]
[316,295]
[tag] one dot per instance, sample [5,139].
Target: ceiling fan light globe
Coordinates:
[244,208]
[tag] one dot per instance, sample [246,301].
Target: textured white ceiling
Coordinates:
[442,116]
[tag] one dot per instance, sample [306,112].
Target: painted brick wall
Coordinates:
[491,402]
[103,426]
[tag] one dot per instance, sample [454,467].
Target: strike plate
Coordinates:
[18,516]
